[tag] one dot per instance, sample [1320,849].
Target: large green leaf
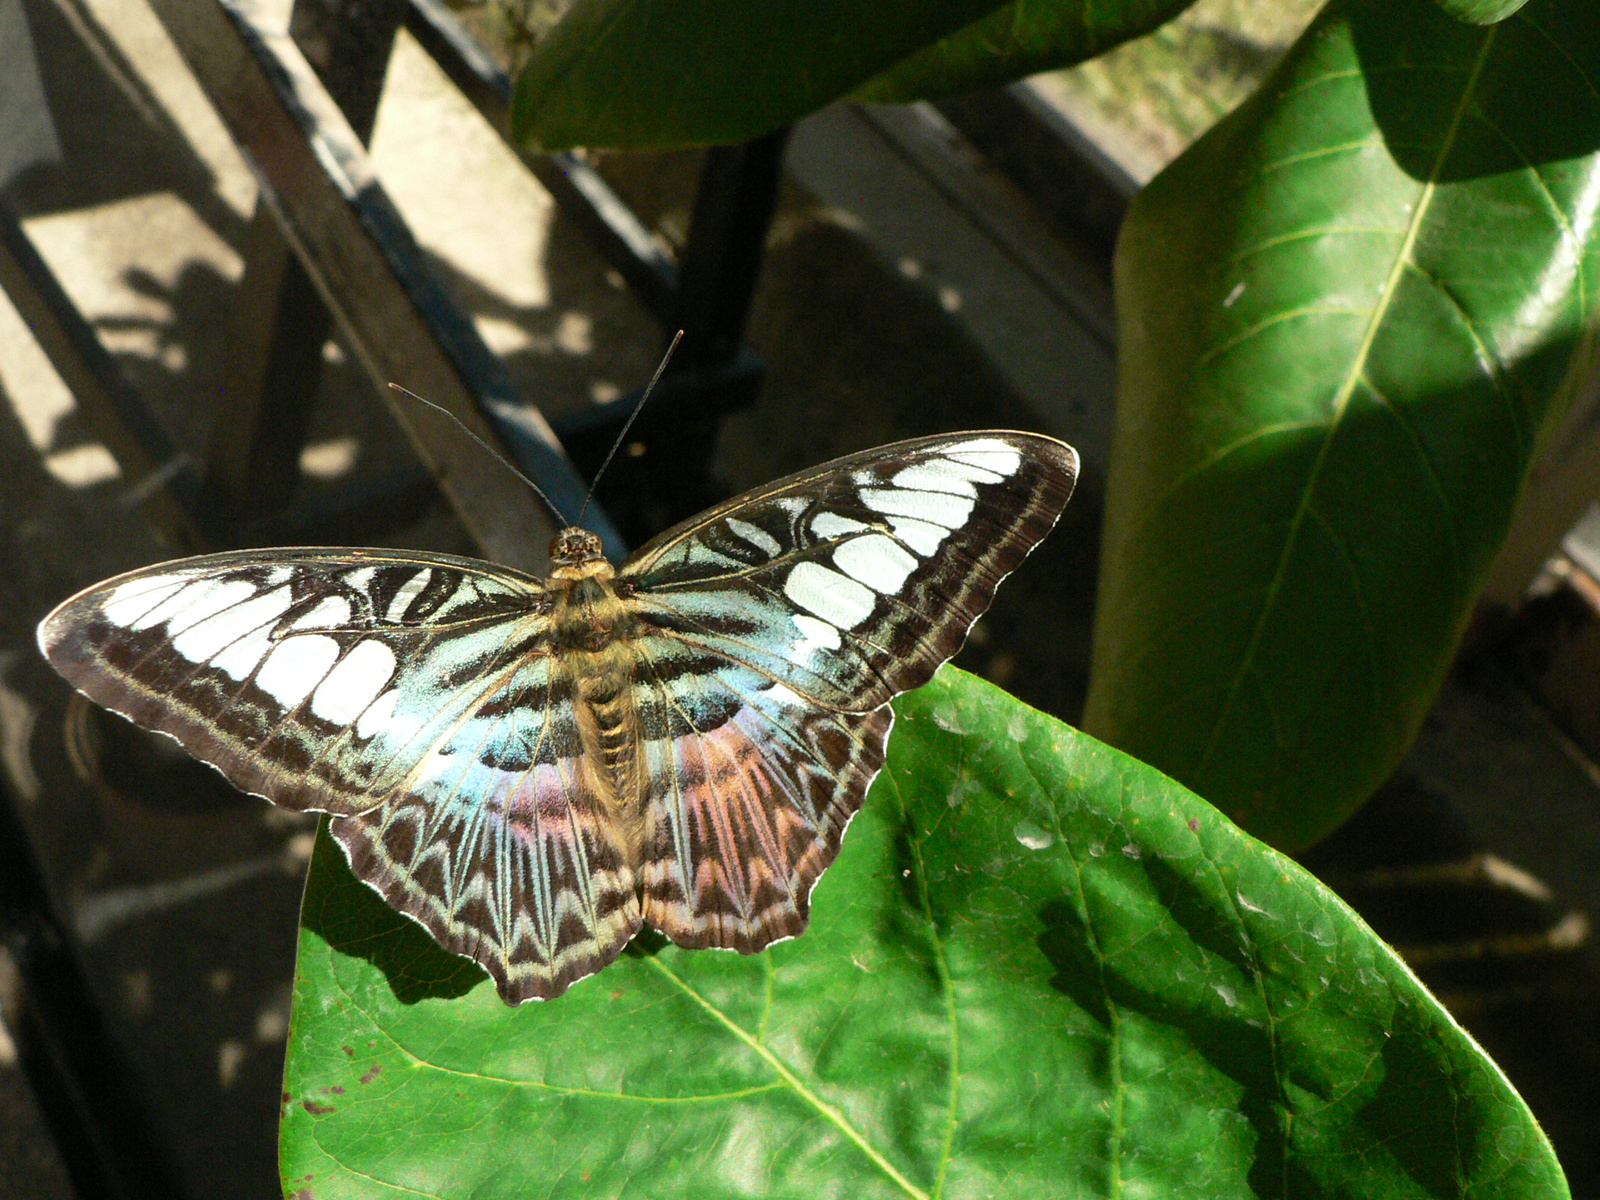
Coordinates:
[1345,315]
[1481,12]
[651,73]
[648,73]
[1038,968]
[1017,40]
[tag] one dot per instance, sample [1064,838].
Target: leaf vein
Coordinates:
[1316,231]
[1278,318]
[1492,367]
[555,1088]
[1294,160]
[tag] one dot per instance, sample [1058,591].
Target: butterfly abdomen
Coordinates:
[593,630]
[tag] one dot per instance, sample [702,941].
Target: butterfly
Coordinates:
[534,770]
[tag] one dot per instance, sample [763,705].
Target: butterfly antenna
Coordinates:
[493,453]
[628,424]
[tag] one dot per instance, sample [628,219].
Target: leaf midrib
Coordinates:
[540,1085]
[785,1073]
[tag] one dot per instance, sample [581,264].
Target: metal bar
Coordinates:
[167,487]
[399,322]
[619,237]
[279,328]
[666,476]
[722,257]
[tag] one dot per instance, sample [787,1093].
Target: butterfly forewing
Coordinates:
[534,770]
[854,581]
[312,676]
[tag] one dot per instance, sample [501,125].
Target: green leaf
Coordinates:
[1038,968]
[1019,39]
[653,73]
[1345,315]
[1481,12]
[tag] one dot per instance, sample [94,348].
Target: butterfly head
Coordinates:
[574,547]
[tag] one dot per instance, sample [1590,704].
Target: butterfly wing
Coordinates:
[412,696]
[782,623]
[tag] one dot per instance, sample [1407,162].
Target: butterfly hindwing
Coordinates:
[784,621]
[529,876]
[754,789]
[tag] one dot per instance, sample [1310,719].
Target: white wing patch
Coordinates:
[831,525]
[330,613]
[919,535]
[173,601]
[815,635]
[245,655]
[938,508]
[939,476]
[991,454]
[835,598]
[222,634]
[756,536]
[380,718]
[783,694]
[296,666]
[354,683]
[130,601]
[879,562]
[205,599]
[409,591]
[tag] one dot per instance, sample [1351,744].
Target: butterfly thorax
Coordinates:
[592,631]
[586,613]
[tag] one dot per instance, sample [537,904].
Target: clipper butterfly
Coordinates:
[535,769]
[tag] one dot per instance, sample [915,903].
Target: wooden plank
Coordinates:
[400,324]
